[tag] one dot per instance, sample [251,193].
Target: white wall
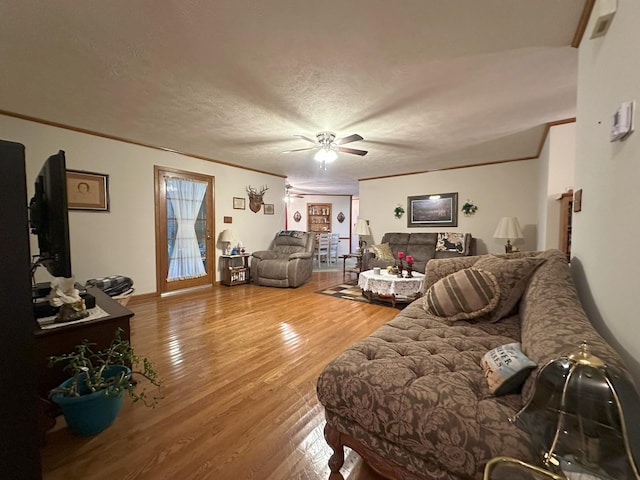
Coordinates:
[122,241]
[506,189]
[605,259]
[339,203]
[557,163]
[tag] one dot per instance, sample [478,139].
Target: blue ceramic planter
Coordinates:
[90,414]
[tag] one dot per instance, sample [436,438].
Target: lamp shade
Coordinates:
[361,227]
[583,418]
[509,228]
[226,236]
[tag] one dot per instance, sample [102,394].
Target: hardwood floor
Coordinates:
[239,366]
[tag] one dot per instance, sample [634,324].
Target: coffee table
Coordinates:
[390,286]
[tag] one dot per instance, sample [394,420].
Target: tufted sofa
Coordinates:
[412,398]
[288,263]
[421,246]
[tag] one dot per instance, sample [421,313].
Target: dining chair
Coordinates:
[322,250]
[333,248]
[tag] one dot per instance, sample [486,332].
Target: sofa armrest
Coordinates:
[264,254]
[366,258]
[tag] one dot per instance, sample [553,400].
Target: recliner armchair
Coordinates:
[288,263]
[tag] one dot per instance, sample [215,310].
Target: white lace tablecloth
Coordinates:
[384,283]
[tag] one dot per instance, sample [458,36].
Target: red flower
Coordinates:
[409,259]
[400,255]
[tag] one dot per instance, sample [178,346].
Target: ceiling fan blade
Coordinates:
[351,138]
[306,138]
[299,149]
[352,150]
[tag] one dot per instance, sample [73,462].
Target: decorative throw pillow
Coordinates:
[506,368]
[512,275]
[452,242]
[383,251]
[467,293]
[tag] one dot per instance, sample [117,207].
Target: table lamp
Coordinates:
[583,418]
[226,237]
[361,229]
[508,228]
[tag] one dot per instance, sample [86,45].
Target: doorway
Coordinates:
[184,229]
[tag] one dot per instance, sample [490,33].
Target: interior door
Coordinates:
[184,229]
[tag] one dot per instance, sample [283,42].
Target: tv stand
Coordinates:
[63,339]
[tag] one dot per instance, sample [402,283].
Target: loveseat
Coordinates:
[412,399]
[421,246]
[288,263]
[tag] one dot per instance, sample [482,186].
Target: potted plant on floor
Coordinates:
[91,399]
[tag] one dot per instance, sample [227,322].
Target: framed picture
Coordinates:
[87,191]
[268,209]
[238,203]
[435,210]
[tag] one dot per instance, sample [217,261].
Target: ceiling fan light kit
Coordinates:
[328,147]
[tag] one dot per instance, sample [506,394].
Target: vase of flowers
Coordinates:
[400,267]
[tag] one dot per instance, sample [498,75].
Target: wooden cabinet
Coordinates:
[319,217]
[235,269]
[566,211]
[65,336]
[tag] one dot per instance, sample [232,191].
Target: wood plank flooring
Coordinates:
[240,366]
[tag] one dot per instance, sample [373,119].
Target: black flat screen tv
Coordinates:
[49,218]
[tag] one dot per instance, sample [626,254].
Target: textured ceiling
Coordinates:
[429,84]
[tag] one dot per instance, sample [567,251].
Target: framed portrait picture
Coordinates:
[435,210]
[268,209]
[87,191]
[238,203]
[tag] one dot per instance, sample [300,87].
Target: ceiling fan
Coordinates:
[328,146]
[289,194]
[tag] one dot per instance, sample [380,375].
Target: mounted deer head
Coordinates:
[255,198]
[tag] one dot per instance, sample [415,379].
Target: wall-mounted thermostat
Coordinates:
[623,122]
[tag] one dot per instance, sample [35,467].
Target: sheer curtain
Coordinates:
[186,199]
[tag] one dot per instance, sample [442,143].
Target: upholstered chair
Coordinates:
[288,263]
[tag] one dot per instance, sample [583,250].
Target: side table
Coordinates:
[235,269]
[358,267]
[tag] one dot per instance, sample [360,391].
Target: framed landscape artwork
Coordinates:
[87,191]
[435,210]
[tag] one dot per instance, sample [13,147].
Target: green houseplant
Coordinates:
[469,208]
[92,397]
[398,211]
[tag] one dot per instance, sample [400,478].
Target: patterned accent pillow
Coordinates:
[465,294]
[383,251]
[506,368]
[513,276]
[452,242]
